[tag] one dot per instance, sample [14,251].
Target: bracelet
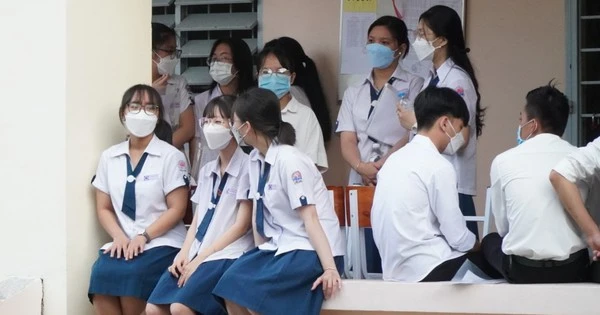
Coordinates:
[357,165]
[330,268]
[145,235]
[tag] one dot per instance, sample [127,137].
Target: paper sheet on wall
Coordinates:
[354,38]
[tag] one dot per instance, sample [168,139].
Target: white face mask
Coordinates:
[166,65]
[423,49]
[221,72]
[455,143]
[238,136]
[217,136]
[140,124]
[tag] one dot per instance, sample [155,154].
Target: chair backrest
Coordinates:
[365,201]
[485,218]
[336,194]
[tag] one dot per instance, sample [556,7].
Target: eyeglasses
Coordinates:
[215,121]
[173,53]
[225,59]
[149,109]
[279,72]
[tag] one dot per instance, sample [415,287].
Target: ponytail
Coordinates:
[287,134]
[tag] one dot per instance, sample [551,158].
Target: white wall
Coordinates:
[65,66]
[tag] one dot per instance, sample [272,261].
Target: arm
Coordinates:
[349,145]
[258,239]
[187,128]
[498,200]
[110,223]
[177,204]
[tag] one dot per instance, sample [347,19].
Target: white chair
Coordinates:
[485,218]
[359,200]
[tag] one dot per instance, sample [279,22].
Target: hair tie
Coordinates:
[467,50]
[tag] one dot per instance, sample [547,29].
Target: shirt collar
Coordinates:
[444,69]
[234,166]
[271,156]
[399,74]
[424,142]
[292,106]
[153,147]
[541,139]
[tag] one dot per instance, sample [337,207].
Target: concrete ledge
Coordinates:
[21,296]
[379,297]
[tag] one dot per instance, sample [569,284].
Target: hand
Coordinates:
[179,263]
[119,244]
[407,117]
[160,84]
[331,282]
[594,243]
[188,270]
[136,247]
[368,170]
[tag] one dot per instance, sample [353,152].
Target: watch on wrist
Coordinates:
[145,235]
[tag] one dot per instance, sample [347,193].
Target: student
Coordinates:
[417,224]
[141,197]
[221,226]
[360,127]
[164,132]
[307,87]
[536,240]
[277,73]
[230,67]
[295,227]
[173,89]
[440,38]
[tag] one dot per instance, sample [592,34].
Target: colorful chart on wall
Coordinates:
[357,15]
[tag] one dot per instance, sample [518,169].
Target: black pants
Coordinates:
[447,270]
[517,269]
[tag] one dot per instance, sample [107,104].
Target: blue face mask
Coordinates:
[278,84]
[519,139]
[380,56]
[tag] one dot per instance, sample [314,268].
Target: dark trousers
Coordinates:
[516,269]
[467,207]
[447,270]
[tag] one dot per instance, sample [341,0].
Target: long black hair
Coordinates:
[445,22]
[161,34]
[242,61]
[396,27]
[260,107]
[289,51]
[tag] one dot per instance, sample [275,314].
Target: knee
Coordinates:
[152,309]
[179,309]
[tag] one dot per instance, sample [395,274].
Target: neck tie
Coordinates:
[211,208]
[129,197]
[260,204]
[434,81]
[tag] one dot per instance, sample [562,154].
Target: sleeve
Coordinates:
[175,172]
[100,179]
[498,200]
[582,164]
[298,181]
[201,183]
[185,95]
[414,88]
[345,121]
[464,88]
[444,203]
[315,146]
[243,190]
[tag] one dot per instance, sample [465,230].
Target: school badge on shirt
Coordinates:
[297,177]
[460,90]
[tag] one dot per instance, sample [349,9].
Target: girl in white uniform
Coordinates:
[300,245]
[230,67]
[173,89]
[141,197]
[440,38]
[220,231]
[277,73]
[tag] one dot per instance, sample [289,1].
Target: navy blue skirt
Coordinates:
[197,291]
[275,285]
[132,278]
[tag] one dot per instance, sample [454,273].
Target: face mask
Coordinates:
[380,55]
[221,72]
[519,139]
[166,65]
[140,124]
[237,135]
[455,143]
[278,84]
[217,136]
[423,49]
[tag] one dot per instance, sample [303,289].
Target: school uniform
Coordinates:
[309,138]
[276,277]
[417,224]
[211,224]
[537,241]
[356,115]
[465,160]
[176,99]
[204,154]
[138,198]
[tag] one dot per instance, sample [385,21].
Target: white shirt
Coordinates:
[226,211]
[417,224]
[464,161]
[176,99]
[309,138]
[204,154]
[356,104]
[294,181]
[165,170]
[526,208]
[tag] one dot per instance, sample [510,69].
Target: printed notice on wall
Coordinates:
[357,15]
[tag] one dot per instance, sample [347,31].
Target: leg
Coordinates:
[153,309]
[491,248]
[132,306]
[446,270]
[180,309]
[373,257]
[104,304]
[234,309]
[467,207]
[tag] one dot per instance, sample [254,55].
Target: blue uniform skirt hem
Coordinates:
[274,285]
[132,278]
[197,292]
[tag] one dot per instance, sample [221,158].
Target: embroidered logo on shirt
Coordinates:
[271,187]
[297,177]
[232,190]
[150,177]
[460,90]
[182,165]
